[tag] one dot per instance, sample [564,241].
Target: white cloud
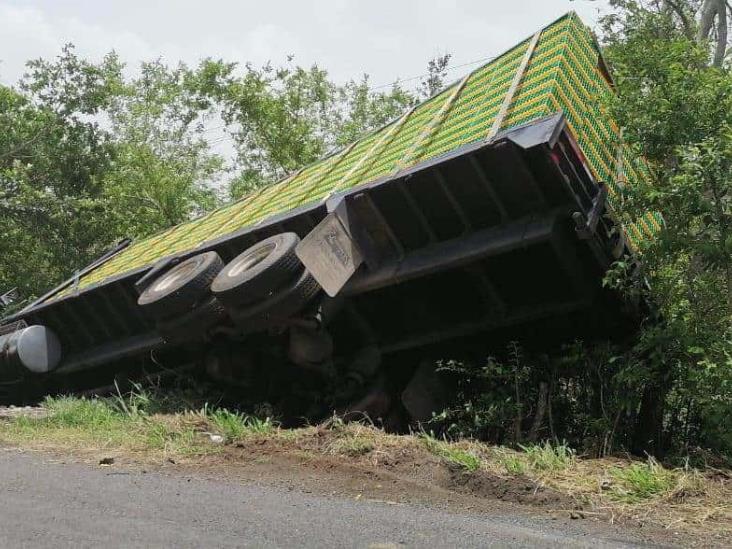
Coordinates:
[28,33]
[268,42]
[385,38]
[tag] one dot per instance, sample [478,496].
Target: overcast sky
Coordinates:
[387,39]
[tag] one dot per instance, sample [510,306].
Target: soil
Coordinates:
[404,475]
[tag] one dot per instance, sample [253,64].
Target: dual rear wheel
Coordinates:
[263,286]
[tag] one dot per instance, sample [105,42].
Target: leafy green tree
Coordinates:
[50,171]
[88,156]
[675,106]
[164,171]
[283,118]
[436,73]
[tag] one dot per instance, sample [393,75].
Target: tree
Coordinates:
[164,172]
[713,17]
[436,73]
[706,21]
[50,170]
[88,156]
[675,104]
[283,118]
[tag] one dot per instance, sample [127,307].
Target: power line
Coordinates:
[418,76]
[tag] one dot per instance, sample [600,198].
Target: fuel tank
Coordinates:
[35,349]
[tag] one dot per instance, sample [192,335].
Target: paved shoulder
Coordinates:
[47,504]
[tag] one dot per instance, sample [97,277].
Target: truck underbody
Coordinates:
[498,240]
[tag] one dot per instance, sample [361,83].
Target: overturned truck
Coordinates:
[482,214]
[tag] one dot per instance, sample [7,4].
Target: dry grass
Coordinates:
[619,489]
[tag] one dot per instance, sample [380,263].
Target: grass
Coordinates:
[81,412]
[234,426]
[546,457]
[132,422]
[514,465]
[147,427]
[536,459]
[351,446]
[641,481]
[451,453]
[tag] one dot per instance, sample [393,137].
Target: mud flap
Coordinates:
[330,254]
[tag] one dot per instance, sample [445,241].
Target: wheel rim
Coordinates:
[183,270]
[250,260]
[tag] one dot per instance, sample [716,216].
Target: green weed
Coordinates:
[80,412]
[545,457]
[135,404]
[234,426]
[513,465]
[642,481]
[456,456]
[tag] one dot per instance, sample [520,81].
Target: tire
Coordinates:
[178,290]
[258,272]
[279,307]
[193,325]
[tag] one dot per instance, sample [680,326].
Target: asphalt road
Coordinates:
[47,504]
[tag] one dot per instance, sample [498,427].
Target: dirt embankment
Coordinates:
[410,473]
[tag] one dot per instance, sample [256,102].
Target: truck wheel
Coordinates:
[258,272]
[277,308]
[179,290]
[193,325]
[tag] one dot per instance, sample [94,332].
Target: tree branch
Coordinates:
[721,47]
[683,16]
[712,10]
[17,149]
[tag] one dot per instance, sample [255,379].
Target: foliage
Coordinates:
[235,426]
[436,73]
[675,105]
[590,398]
[50,213]
[284,118]
[489,398]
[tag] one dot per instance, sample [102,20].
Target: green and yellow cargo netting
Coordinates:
[564,72]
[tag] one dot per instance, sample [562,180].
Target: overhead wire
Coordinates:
[419,76]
